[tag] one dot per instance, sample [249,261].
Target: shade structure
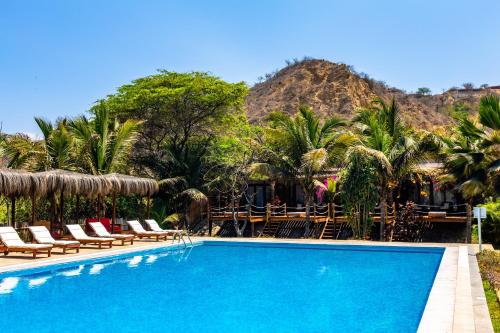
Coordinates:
[73,183]
[19,183]
[127,185]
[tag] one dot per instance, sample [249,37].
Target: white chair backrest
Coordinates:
[42,235]
[153,225]
[76,231]
[99,229]
[9,237]
[136,226]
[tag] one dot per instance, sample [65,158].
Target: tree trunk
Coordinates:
[383,217]
[468,231]
[273,190]
[308,216]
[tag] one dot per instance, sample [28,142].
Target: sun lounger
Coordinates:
[77,233]
[101,231]
[140,232]
[13,243]
[153,225]
[42,236]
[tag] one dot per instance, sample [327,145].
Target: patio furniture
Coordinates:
[153,225]
[13,243]
[140,232]
[101,231]
[77,233]
[41,235]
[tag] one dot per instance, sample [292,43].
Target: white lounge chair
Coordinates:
[101,231]
[154,226]
[140,232]
[77,233]
[13,243]
[42,236]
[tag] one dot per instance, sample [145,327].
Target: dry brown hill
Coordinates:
[335,89]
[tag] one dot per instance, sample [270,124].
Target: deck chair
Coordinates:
[77,233]
[13,243]
[153,225]
[101,231]
[140,232]
[42,236]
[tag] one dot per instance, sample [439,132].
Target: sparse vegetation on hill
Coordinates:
[337,89]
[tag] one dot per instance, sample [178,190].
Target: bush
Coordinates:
[491,226]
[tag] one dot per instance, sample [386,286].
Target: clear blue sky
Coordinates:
[58,57]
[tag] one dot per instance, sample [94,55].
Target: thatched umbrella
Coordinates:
[20,183]
[68,183]
[127,185]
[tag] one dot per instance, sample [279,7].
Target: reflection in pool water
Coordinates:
[8,285]
[135,261]
[73,272]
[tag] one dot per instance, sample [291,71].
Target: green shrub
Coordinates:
[491,226]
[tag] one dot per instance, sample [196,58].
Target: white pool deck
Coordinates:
[456,302]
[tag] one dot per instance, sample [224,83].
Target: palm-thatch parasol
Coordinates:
[19,183]
[127,185]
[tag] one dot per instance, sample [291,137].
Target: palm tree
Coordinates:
[301,146]
[394,149]
[55,151]
[104,142]
[473,156]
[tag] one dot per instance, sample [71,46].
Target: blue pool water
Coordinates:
[227,287]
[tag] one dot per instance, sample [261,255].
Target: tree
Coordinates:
[392,147]
[472,157]
[182,114]
[359,192]
[55,151]
[423,91]
[104,143]
[302,146]
[231,159]
[468,86]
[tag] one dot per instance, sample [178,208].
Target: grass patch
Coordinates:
[493,305]
[489,265]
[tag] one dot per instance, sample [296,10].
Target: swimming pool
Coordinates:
[226,287]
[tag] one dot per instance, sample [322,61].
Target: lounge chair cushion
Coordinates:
[80,235]
[153,225]
[101,231]
[10,238]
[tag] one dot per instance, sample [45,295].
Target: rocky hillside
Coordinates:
[335,89]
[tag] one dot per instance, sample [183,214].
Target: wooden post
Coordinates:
[77,208]
[62,208]
[249,216]
[98,208]
[13,212]
[113,217]
[33,211]
[209,221]
[148,212]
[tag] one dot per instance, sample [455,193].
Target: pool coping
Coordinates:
[455,302]
[106,253]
